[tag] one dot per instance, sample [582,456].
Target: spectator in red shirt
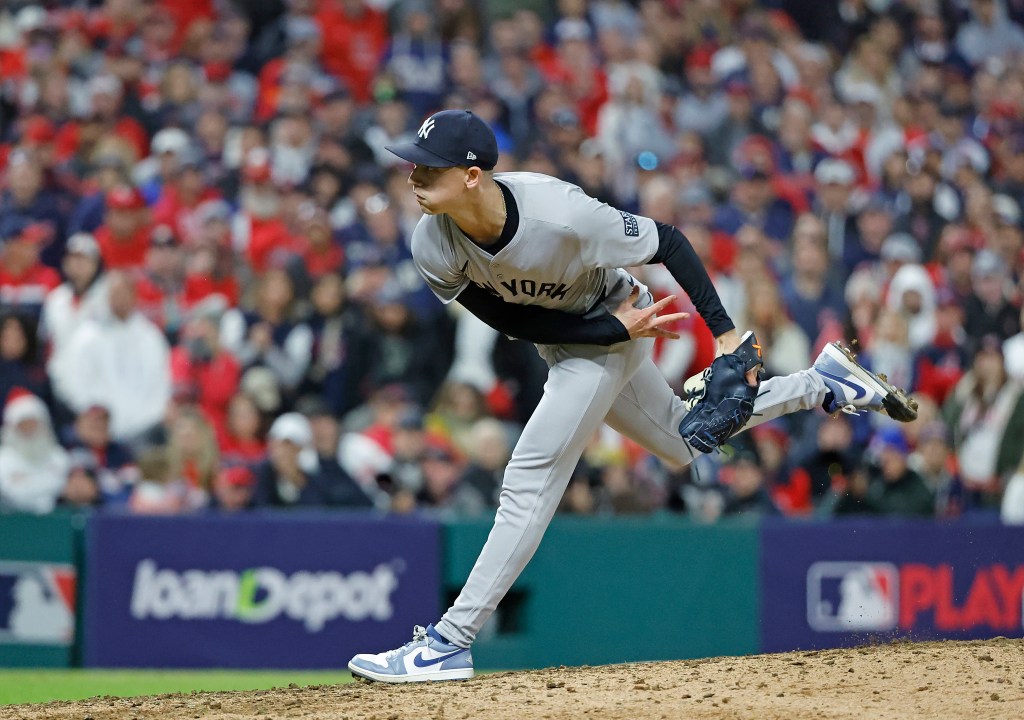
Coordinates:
[243,437]
[160,286]
[105,103]
[24,280]
[201,367]
[180,198]
[323,253]
[259,229]
[124,236]
[358,38]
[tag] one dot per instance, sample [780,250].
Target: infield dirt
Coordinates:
[977,679]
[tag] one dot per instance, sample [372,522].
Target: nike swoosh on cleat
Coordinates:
[857,388]
[418,661]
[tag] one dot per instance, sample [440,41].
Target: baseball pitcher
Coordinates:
[536,258]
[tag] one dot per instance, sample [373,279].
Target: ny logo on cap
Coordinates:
[425,128]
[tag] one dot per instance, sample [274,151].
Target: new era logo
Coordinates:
[425,128]
[852,596]
[470,155]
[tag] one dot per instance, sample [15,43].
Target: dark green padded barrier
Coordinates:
[619,590]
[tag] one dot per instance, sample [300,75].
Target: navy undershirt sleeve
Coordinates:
[677,254]
[539,324]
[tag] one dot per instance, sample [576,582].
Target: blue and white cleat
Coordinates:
[852,387]
[428,657]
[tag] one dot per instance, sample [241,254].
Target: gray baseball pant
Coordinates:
[587,385]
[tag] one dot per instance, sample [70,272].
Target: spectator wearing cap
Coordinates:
[201,367]
[210,265]
[323,253]
[896,489]
[122,362]
[934,461]
[444,493]
[294,475]
[940,365]
[113,462]
[703,106]
[33,466]
[82,489]
[26,201]
[986,415]
[745,488]
[105,171]
[739,124]
[20,362]
[258,230]
[336,118]
[169,145]
[755,204]
[270,335]
[81,297]
[233,489]
[988,309]
[181,195]
[160,284]
[24,280]
[322,423]
[124,237]
[834,181]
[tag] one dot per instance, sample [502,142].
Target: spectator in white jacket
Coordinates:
[33,466]
[121,363]
[82,297]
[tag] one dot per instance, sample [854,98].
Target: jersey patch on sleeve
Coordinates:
[632,228]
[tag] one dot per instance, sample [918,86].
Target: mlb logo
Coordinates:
[852,596]
[37,603]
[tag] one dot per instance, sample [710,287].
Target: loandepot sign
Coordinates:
[262,594]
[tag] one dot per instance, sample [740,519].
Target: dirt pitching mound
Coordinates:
[978,679]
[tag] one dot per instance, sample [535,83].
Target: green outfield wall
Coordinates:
[618,590]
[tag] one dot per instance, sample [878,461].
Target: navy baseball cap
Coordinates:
[451,138]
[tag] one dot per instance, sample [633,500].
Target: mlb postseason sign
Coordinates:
[264,590]
[38,585]
[37,603]
[847,582]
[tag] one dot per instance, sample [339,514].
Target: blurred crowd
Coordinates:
[207,298]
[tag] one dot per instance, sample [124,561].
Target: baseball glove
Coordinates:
[720,400]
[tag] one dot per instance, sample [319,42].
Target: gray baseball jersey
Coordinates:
[565,255]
